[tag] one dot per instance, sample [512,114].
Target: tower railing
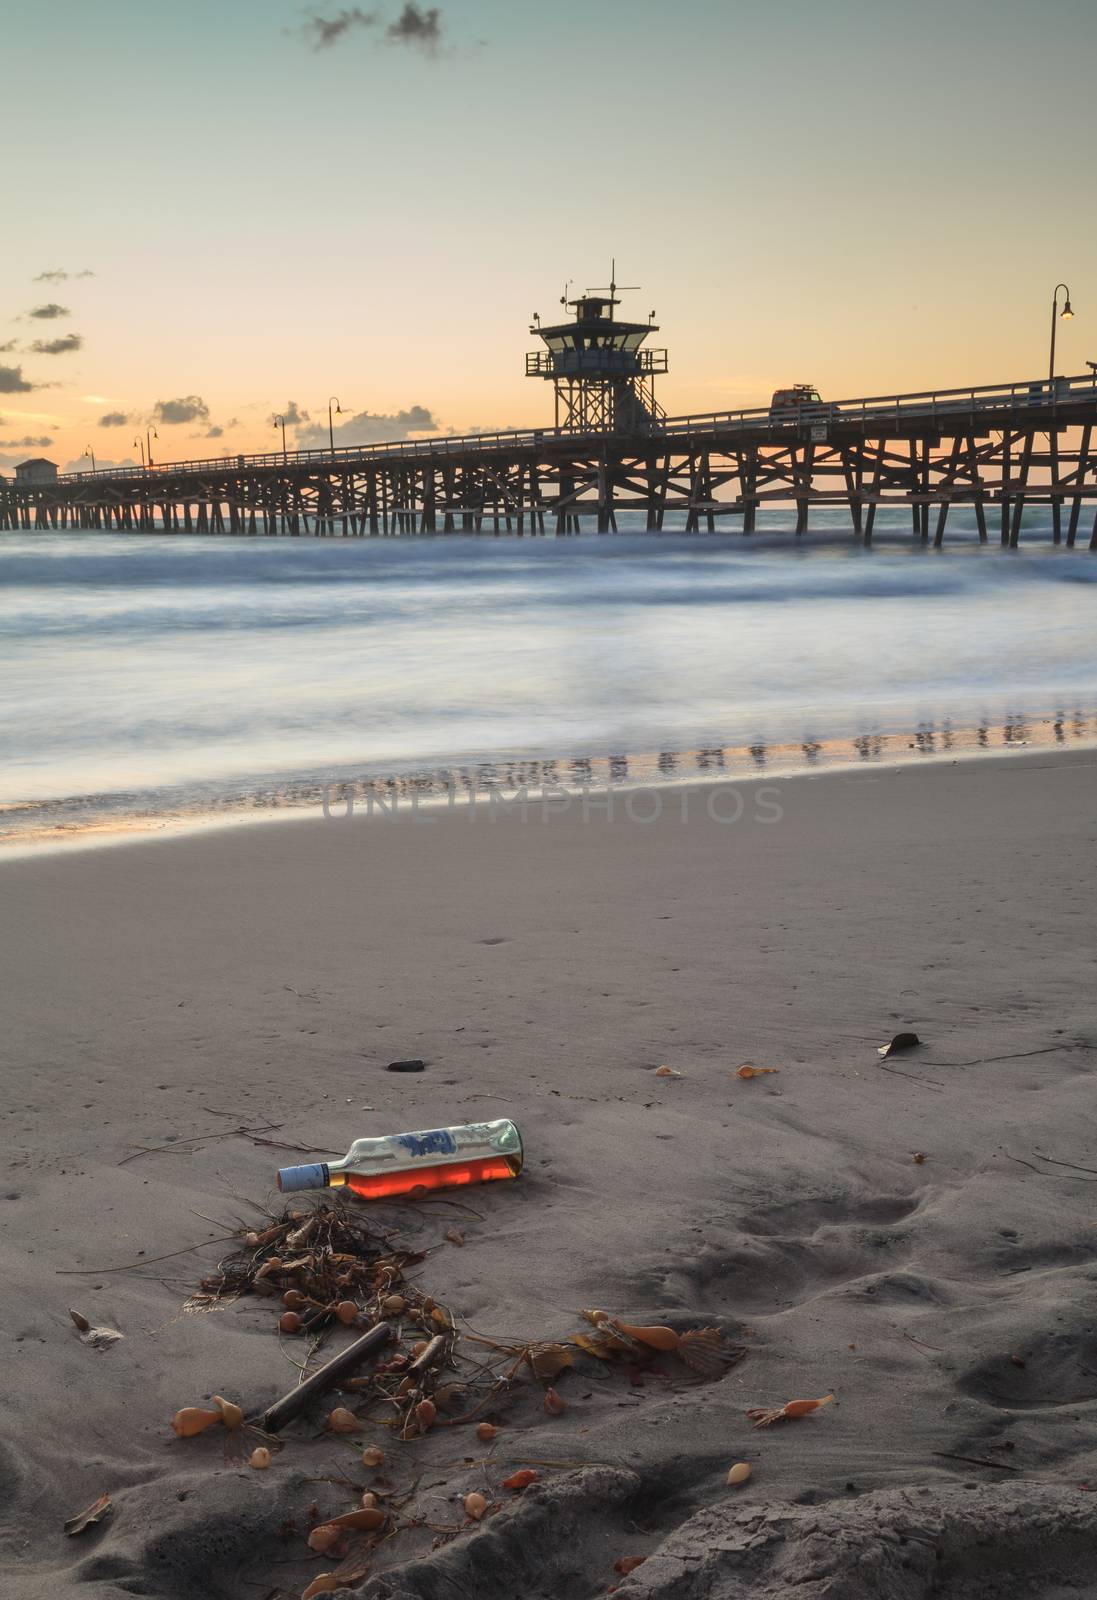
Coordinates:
[596,363]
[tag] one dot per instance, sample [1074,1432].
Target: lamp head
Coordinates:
[1066,311]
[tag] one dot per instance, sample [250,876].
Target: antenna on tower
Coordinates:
[612,285]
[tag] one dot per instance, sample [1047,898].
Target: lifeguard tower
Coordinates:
[603,380]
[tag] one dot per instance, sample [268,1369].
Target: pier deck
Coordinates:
[994,448]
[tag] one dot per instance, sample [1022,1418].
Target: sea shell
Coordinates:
[232,1415]
[324,1538]
[368,1518]
[193,1420]
[323,1583]
[655,1338]
[343,1421]
[801,1408]
[521,1479]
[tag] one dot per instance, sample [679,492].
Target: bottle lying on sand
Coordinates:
[413,1163]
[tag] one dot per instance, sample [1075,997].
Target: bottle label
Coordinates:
[436,1142]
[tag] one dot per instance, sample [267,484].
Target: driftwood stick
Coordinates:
[429,1356]
[291,1405]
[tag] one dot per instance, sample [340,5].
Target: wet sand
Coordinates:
[543,969]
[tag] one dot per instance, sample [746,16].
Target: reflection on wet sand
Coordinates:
[124,814]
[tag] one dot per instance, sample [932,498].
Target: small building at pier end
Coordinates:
[36,470]
[603,380]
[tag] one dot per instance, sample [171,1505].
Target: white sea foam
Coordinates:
[135,663]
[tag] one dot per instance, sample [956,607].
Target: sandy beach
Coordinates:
[543,968]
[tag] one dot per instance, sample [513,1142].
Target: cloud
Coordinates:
[418,27]
[59,275]
[186,408]
[5,348]
[114,419]
[211,433]
[369,427]
[57,347]
[29,441]
[82,464]
[323,32]
[12,381]
[48,312]
[291,414]
[422,29]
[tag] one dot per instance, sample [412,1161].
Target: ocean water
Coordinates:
[151,674]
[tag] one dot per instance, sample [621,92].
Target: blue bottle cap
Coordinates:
[313,1176]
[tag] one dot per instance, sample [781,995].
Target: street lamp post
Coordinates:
[146,446]
[331,426]
[90,452]
[280,419]
[1066,312]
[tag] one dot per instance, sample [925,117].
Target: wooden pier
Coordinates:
[995,450]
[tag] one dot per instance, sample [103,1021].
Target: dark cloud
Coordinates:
[369,427]
[57,347]
[323,32]
[12,381]
[59,275]
[28,442]
[186,408]
[291,414]
[418,26]
[48,312]
[4,348]
[233,422]
[415,27]
[114,419]
[213,433]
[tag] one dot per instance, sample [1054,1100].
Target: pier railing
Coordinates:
[884,411]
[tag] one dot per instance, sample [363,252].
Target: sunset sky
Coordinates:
[246,204]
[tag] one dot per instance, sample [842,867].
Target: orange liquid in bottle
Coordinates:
[380,1186]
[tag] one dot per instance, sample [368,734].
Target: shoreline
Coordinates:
[462,784]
